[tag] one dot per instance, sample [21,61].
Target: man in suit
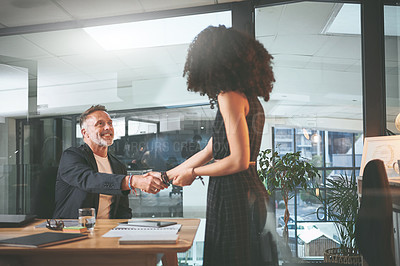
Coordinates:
[89,176]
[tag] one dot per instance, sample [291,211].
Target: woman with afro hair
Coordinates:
[233,70]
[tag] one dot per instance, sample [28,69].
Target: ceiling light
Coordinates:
[315,138]
[305,133]
[397,122]
[157,32]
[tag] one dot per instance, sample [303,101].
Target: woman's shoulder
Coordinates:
[233,99]
[232,96]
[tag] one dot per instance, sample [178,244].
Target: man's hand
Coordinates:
[150,182]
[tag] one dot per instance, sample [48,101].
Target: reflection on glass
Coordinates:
[311,150]
[284,141]
[340,149]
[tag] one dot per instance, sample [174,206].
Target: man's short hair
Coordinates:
[92,109]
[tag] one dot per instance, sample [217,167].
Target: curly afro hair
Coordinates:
[223,59]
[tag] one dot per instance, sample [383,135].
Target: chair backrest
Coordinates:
[374,225]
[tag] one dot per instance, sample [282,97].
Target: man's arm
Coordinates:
[75,170]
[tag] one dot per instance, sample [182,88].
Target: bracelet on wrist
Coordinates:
[199,177]
[165,178]
[129,184]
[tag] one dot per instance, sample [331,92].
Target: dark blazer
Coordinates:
[79,184]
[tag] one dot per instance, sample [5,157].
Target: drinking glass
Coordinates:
[87,218]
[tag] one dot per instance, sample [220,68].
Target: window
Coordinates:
[333,155]
[316,103]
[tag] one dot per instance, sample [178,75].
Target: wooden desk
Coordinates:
[97,250]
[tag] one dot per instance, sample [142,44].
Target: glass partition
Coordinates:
[392,67]
[316,104]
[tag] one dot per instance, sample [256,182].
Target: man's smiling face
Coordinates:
[99,129]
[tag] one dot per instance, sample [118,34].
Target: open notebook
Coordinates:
[130,234]
[124,229]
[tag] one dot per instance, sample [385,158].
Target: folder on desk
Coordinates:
[41,240]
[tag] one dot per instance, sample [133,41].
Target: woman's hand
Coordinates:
[183,178]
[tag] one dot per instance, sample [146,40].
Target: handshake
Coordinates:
[154,182]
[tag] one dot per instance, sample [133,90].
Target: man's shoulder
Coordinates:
[80,151]
[75,149]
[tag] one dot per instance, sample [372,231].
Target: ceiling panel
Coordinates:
[159,71]
[298,44]
[65,42]
[342,47]
[19,47]
[88,9]
[53,66]
[95,62]
[65,78]
[327,63]
[268,19]
[178,52]
[292,61]
[23,12]
[153,5]
[12,77]
[305,18]
[145,57]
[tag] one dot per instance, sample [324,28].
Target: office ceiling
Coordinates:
[318,73]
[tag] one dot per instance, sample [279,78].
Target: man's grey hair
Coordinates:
[84,115]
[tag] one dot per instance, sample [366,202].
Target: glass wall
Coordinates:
[315,107]
[392,66]
[48,77]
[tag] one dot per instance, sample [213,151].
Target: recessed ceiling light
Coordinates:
[157,32]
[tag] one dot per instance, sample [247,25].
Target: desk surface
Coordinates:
[101,247]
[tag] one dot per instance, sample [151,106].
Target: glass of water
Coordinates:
[87,218]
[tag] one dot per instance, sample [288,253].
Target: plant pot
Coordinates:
[340,256]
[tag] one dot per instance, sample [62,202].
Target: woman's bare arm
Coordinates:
[234,108]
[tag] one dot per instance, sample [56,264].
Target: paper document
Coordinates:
[152,238]
[125,229]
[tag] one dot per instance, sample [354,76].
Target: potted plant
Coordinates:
[341,203]
[285,172]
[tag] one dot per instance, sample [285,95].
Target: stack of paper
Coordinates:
[149,238]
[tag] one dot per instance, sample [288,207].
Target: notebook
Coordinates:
[15,220]
[41,240]
[125,229]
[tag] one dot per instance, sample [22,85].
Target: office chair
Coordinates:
[374,225]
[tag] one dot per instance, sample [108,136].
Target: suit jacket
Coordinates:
[79,184]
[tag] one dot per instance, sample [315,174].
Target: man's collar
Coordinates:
[91,150]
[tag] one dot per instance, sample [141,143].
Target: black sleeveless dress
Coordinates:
[237,204]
